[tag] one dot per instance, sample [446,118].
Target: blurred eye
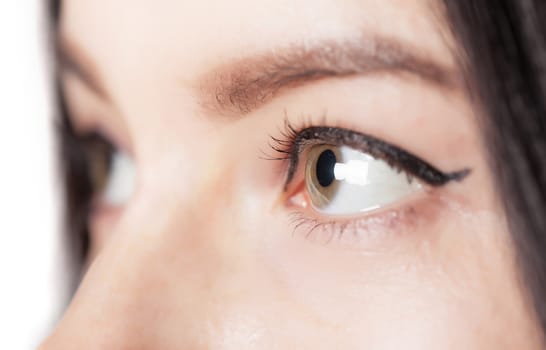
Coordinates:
[111,172]
[120,180]
[341,180]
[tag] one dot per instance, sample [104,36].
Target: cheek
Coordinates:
[101,230]
[439,284]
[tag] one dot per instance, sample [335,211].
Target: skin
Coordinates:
[205,256]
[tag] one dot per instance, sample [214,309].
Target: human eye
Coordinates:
[110,170]
[341,180]
[340,176]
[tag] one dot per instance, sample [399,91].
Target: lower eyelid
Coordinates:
[402,220]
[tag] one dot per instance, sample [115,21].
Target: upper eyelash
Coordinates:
[294,142]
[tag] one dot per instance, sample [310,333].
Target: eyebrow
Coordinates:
[73,59]
[239,87]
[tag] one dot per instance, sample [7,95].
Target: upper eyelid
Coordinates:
[88,118]
[98,130]
[395,156]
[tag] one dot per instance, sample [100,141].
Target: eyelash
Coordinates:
[293,142]
[325,231]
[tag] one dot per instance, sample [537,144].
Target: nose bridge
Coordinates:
[197,177]
[171,257]
[186,191]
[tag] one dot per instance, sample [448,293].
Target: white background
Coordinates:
[31,278]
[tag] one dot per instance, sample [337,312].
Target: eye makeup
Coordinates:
[354,182]
[293,143]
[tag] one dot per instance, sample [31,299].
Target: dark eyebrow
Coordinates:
[239,87]
[73,59]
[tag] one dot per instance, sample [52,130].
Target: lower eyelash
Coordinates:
[349,230]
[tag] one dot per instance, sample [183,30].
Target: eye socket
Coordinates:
[341,180]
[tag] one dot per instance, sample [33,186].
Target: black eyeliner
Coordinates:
[298,141]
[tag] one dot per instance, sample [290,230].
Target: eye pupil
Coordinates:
[325,168]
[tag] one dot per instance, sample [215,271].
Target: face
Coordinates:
[283,175]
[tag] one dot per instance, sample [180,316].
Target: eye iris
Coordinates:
[325,168]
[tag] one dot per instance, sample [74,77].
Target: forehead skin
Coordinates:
[199,258]
[183,40]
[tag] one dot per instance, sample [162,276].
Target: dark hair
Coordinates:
[78,189]
[504,56]
[503,53]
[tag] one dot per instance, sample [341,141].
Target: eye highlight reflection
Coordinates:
[344,181]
